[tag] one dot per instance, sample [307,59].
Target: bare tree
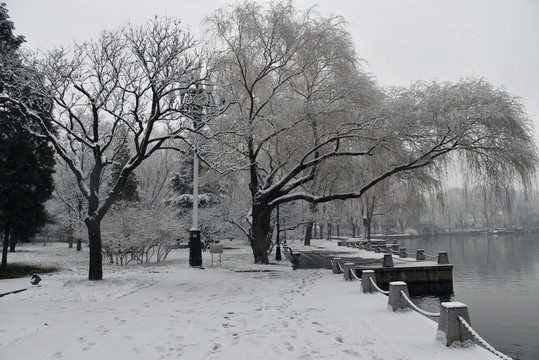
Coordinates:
[298,87]
[126,86]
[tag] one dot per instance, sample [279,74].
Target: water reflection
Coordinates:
[497,277]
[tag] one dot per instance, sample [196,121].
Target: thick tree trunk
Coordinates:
[95,271]
[308,234]
[3,265]
[261,232]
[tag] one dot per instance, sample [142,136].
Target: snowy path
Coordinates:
[218,314]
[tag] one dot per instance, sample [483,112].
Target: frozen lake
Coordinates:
[497,276]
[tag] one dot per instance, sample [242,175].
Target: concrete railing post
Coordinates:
[388,260]
[396,301]
[366,282]
[402,252]
[450,329]
[389,249]
[443,258]
[335,267]
[348,267]
[420,255]
[368,247]
[377,249]
[328,263]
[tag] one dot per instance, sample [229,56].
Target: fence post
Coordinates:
[389,249]
[377,249]
[402,252]
[443,258]
[336,269]
[450,329]
[395,300]
[328,263]
[366,282]
[347,267]
[420,255]
[388,260]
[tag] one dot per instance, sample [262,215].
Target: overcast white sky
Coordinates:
[402,40]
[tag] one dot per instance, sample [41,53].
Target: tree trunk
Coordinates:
[368,229]
[15,236]
[3,265]
[261,232]
[95,271]
[321,231]
[330,225]
[308,234]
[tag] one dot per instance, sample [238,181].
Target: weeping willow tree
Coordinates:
[304,107]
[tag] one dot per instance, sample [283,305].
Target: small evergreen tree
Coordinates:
[130,190]
[211,195]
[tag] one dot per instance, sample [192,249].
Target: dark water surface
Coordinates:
[497,277]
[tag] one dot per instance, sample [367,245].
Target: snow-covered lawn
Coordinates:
[170,311]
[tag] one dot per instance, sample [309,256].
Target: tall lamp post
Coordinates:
[196,101]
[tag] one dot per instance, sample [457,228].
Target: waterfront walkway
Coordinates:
[169,311]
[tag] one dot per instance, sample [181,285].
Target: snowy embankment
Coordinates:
[170,311]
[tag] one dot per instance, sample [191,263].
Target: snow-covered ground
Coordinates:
[237,311]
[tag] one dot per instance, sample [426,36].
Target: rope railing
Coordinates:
[482,341]
[378,289]
[416,308]
[372,262]
[408,261]
[340,267]
[354,275]
[414,260]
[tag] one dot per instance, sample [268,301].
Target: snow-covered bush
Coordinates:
[135,232]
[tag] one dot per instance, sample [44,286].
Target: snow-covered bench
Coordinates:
[291,255]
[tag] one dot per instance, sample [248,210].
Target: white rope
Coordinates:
[482,341]
[371,262]
[340,267]
[414,260]
[377,288]
[421,311]
[354,275]
[402,259]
